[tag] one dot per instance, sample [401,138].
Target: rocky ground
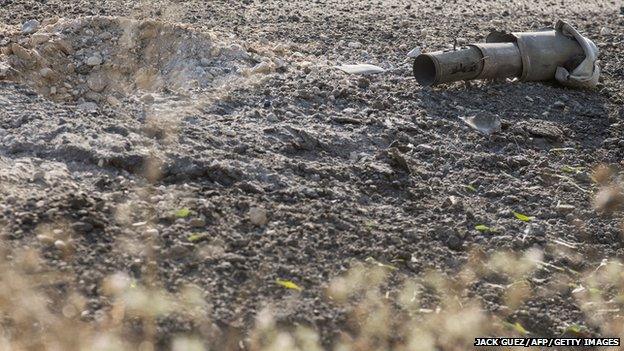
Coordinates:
[111,129]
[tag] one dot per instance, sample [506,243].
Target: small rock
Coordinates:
[605,31]
[452,202]
[87,107]
[271,117]
[453,242]
[258,216]
[354,45]
[21,52]
[197,222]
[559,104]
[113,101]
[83,227]
[426,148]
[60,244]
[148,98]
[534,230]
[151,232]
[64,46]
[564,208]
[38,39]
[178,251]
[94,60]
[46,72]
[262,68]
[45,239]
[30,27]
[96,82]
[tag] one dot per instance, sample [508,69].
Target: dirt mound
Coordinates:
[99,59]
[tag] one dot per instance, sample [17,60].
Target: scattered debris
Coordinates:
[522,217]
[414,52]
[288,284]
[361,69]
[484,228]
[373,261]
[485,123]
[182,213]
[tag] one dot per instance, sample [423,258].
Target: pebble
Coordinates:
[83,227]
[354,45]
[38,39]
[46,72]
[197,222]
[113,101]
[178,251]
[424,148]
[148,98]
[30,26]
[258,216]
[271,117]
[45,239]
[87,106]
[21,52]
[151,232]
[94,60]
[534,230]
[564,208]
[96,82]
[605,31]
[262,68]
[60,244]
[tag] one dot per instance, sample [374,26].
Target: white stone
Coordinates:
[30,26]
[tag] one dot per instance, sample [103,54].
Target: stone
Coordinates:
[30,26]
[38,39]
[113,101]
[197,222]
[148,98]
[96,82]
[262,68]
[87,107]
[564,208]
[45,239]
[94,60]
[82,227]
[46,72]
[258,216]
[21,52]
[60,244]
[64,46]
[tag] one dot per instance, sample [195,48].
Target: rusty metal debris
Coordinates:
[562,54]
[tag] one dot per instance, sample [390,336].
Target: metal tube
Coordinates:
[478,61]
[448,66]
